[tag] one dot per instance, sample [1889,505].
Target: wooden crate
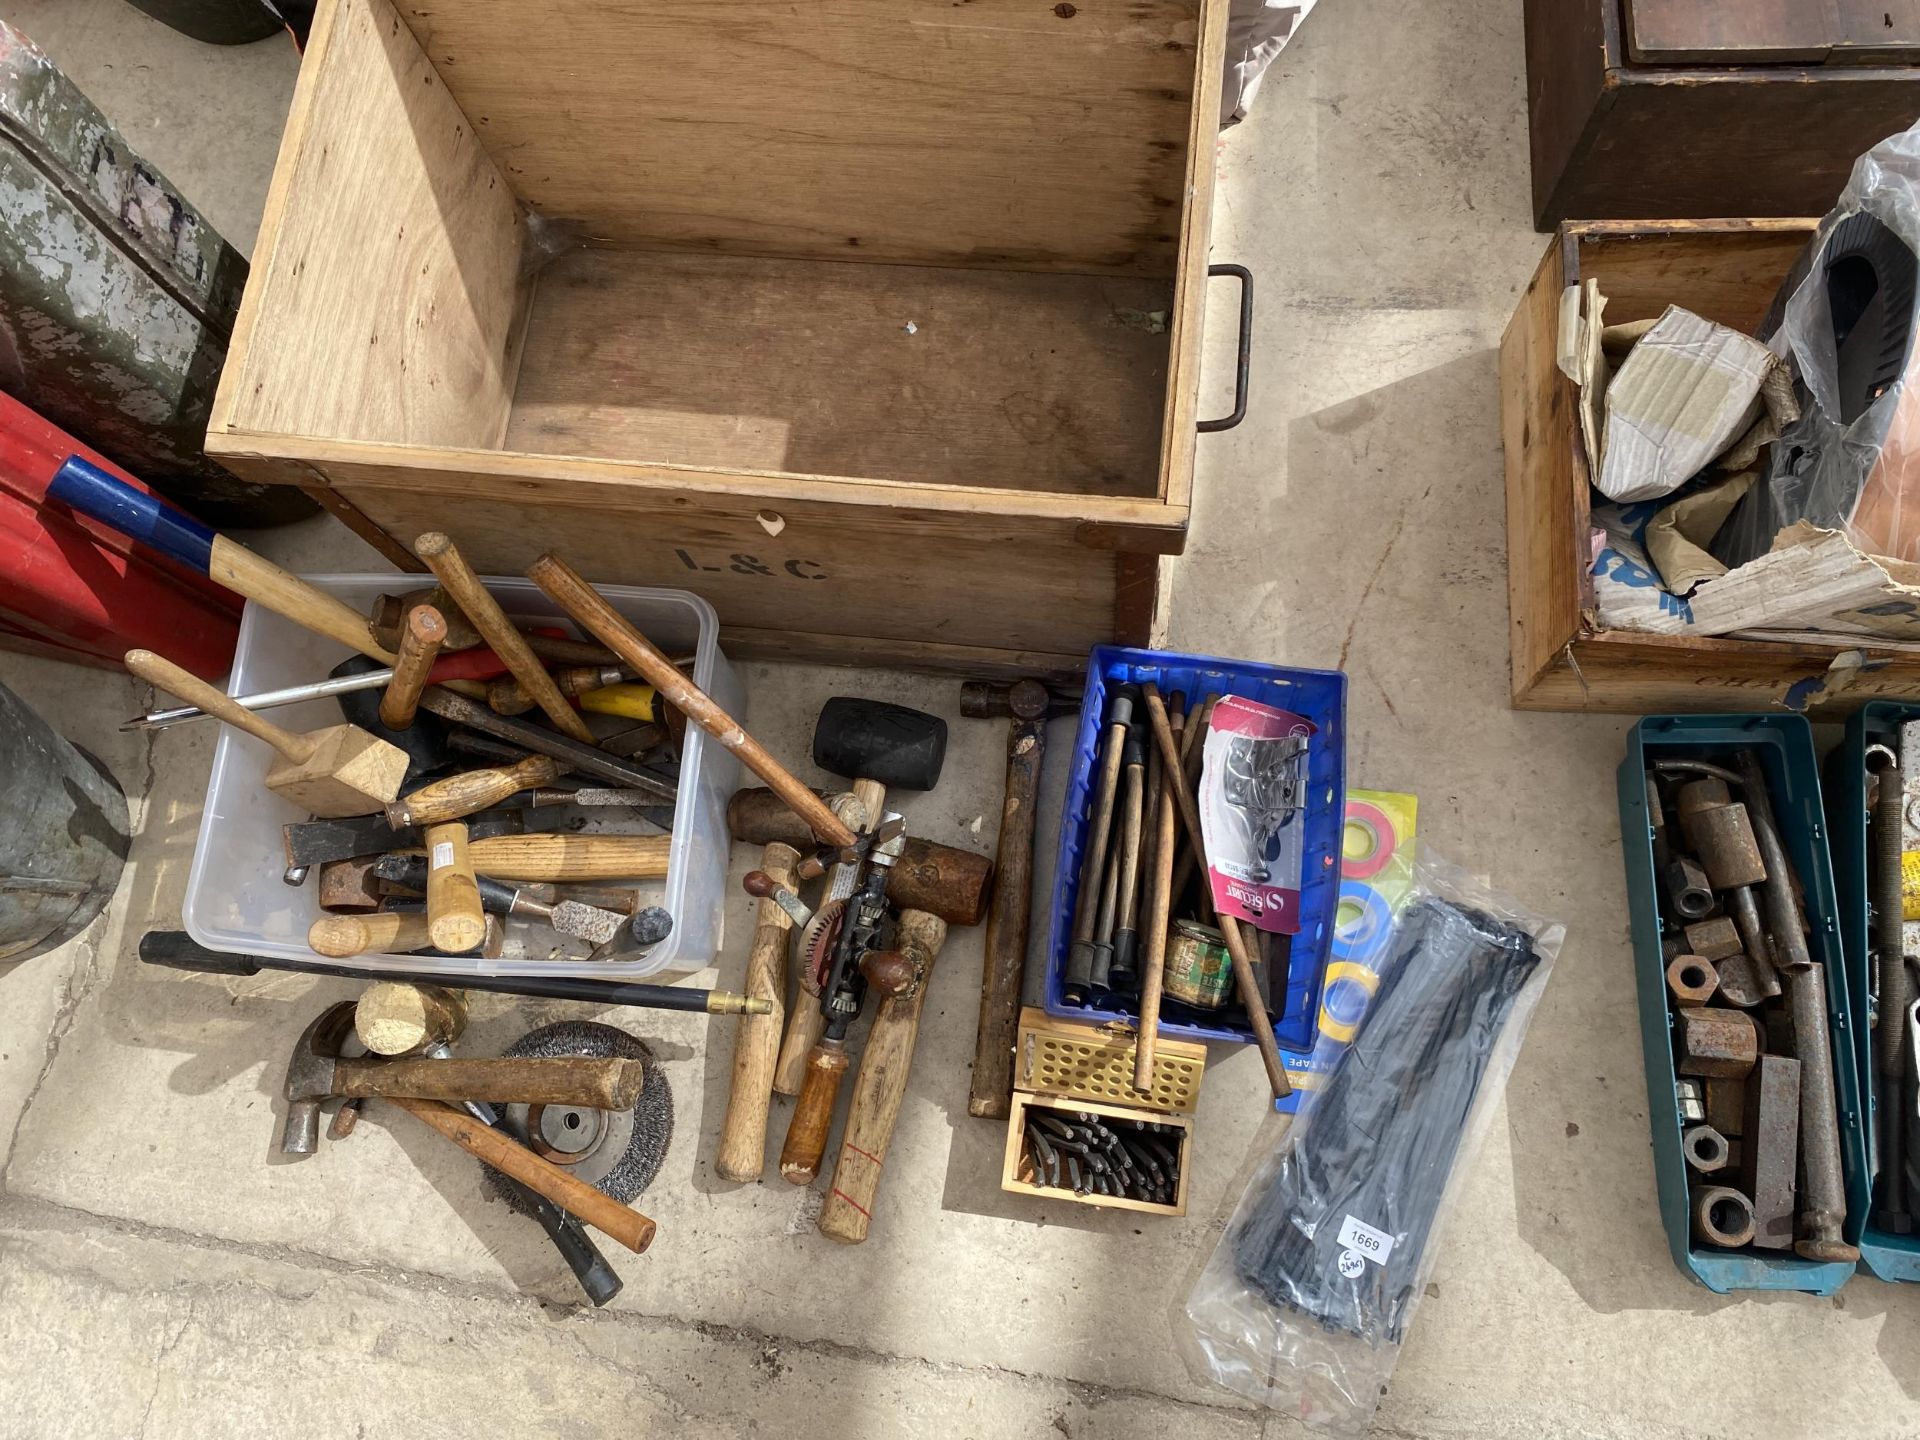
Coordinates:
[875,322]
[1711,107]
[1074,1067]
[1726,270]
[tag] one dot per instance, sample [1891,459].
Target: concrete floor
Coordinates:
[165,1273]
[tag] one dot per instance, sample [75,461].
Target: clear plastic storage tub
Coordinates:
[237,900]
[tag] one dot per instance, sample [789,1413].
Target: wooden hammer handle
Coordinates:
[756,1038]
[157,670]
[813,1114]
[421,637]
[287,595]
[471,791]
[990,1093]
[879,1088]
[385,933]
[459,581]
[604,1084]
[565,587]
[603,1212]
[1245,982]
[455,917]
[572,857]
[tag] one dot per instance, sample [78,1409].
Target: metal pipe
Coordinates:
[1889,1047]
[265,699]
[1823,1207]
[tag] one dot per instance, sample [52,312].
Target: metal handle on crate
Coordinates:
[1244,358]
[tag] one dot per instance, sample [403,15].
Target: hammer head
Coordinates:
[310,1077]
[896,747]
[1022,700]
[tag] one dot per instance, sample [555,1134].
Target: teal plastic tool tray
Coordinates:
[1785,746]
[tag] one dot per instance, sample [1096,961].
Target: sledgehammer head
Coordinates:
[896,747]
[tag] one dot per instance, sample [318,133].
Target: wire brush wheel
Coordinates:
[616,1151]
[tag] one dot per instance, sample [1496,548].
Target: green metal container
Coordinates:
[1785,747]
[117,298]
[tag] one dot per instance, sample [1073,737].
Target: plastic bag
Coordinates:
[1852,460]
[1308,1296]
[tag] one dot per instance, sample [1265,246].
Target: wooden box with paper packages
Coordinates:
[1713,459]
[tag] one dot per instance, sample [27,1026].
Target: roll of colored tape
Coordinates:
[1344,998]
[1381,840]
[1363,922]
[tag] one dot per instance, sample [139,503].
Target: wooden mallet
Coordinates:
[341,770]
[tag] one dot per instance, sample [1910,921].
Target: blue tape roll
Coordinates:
[1362,940]
[85,487]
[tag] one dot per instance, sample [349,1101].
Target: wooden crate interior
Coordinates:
[908,241]
[1726,276]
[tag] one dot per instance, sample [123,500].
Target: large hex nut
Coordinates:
[1692,980]
[1722,1216]
[1714,1043]
[1706,1148]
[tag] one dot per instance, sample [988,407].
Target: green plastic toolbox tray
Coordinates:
[1785,746]
[1891,1257]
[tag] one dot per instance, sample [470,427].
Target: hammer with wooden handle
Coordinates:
[880,1085]
[491,621]
[576,1197]
[756,1040]
[338,771]
[567,589]
[96,494]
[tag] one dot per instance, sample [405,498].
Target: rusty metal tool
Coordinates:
[1770,1147]
[881,1084]
[1692,980]
[585,759]
[388,618]
[1077,978]
[567,589]
[1823,1199]
[349,886]
[1892,1211]
[316,1072]
[340,770]
[458,796]
[506,641]
[1123,972]
[1246,983]
[1720,832]
[1153,963]
[314,842]
[1714,1043]
[1722,1217]
[420,641]
[1027,706]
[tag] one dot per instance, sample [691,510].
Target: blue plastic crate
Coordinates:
[1890,1256]
[1319,696]
[1785,746]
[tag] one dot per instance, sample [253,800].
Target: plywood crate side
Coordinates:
[1728,270]
[386,296]
[825,131]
